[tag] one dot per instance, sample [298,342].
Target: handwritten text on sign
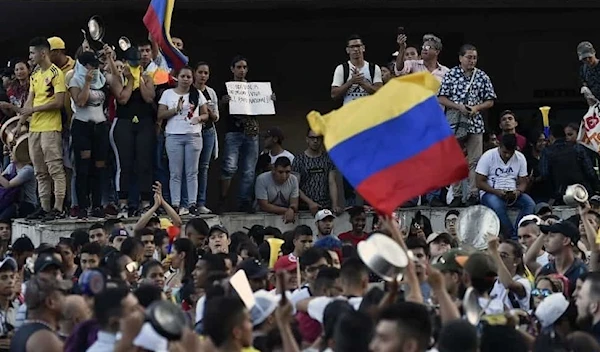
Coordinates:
[589,132]
[250,98]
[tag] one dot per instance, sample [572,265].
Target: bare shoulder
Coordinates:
[44,341]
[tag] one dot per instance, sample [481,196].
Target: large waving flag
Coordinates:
[158,22]
[394,145]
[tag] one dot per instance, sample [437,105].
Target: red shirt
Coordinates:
[351,237]
[521,142]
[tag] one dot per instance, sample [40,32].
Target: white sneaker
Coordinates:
[183,211]
[204,210]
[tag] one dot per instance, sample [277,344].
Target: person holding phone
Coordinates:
[89,133]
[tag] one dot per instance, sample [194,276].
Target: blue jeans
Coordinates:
[429,196]
[183,151]
[243,150]
[524,203]
[209,137]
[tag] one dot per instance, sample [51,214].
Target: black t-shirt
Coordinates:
[591,77]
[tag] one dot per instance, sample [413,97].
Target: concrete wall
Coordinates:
[51,232]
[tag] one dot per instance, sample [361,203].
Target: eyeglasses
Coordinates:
[541,293]
[355,46]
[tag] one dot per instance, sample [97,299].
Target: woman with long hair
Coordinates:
[185,109]
[512,289]
[209,132]
[18,89]
[183,262]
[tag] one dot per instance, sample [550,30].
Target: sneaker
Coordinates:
[193,210]
[111,210]
[38,214]
[74,212]
[204,210]
[82,214]
[123,212]
[98,212]
[54,214]
[183,211]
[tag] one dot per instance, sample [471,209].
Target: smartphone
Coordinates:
[400,30]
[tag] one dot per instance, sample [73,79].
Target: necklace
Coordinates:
[35,321]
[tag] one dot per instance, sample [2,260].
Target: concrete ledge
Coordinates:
[50,232]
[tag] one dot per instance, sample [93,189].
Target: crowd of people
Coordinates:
[108,129]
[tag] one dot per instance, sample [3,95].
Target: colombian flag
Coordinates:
[158,22]
[394,145]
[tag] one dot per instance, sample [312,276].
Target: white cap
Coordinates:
[265,304]
[322,214]
[551,308]
[530,217]
[150,340]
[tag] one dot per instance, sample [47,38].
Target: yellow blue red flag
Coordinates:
[394,145]
[158,22]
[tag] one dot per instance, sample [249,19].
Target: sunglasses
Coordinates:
[541,293]
[131,267]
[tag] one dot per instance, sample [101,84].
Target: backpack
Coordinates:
[346,68]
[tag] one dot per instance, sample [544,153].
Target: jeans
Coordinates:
[524,203]
[209,137]
[429,197]
[243,150]
[183,151]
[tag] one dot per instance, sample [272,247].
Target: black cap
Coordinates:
[89,58]
[45,261]
[218,228]
[566,228]
[275,132]
[253,269]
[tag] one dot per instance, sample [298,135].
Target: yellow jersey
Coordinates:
[44,85]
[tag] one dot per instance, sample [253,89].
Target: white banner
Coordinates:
[250,98]
[589,131]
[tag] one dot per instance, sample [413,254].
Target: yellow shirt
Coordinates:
[44,85]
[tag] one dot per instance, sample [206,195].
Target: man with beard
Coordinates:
[559,240]
[44,298]
[588,304]
[324,222]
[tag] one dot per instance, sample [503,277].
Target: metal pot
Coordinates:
[475,225]
[383,256]
[575,195]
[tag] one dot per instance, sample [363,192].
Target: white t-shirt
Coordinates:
[180,123]
[501,293]
[543,259]
[283,153]
[501,175]
[356,91]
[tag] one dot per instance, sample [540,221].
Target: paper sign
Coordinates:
[250,98]
[239,282]
[589,132]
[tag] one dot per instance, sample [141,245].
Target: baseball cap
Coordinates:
[116,232]
[286,263]
[595,199]
[449,261]
[8,262]
[56,43]
[45,261]
[585,50]
[439,235]
[532,218]
[218,228]
[541,207]
[274,132]
[323,214]
[265,305]
[566,228]
[89,58]
[551,308]
[479,266]
[253,269]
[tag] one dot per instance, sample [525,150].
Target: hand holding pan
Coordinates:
[167,319]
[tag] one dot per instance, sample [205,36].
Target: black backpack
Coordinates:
[346,68]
